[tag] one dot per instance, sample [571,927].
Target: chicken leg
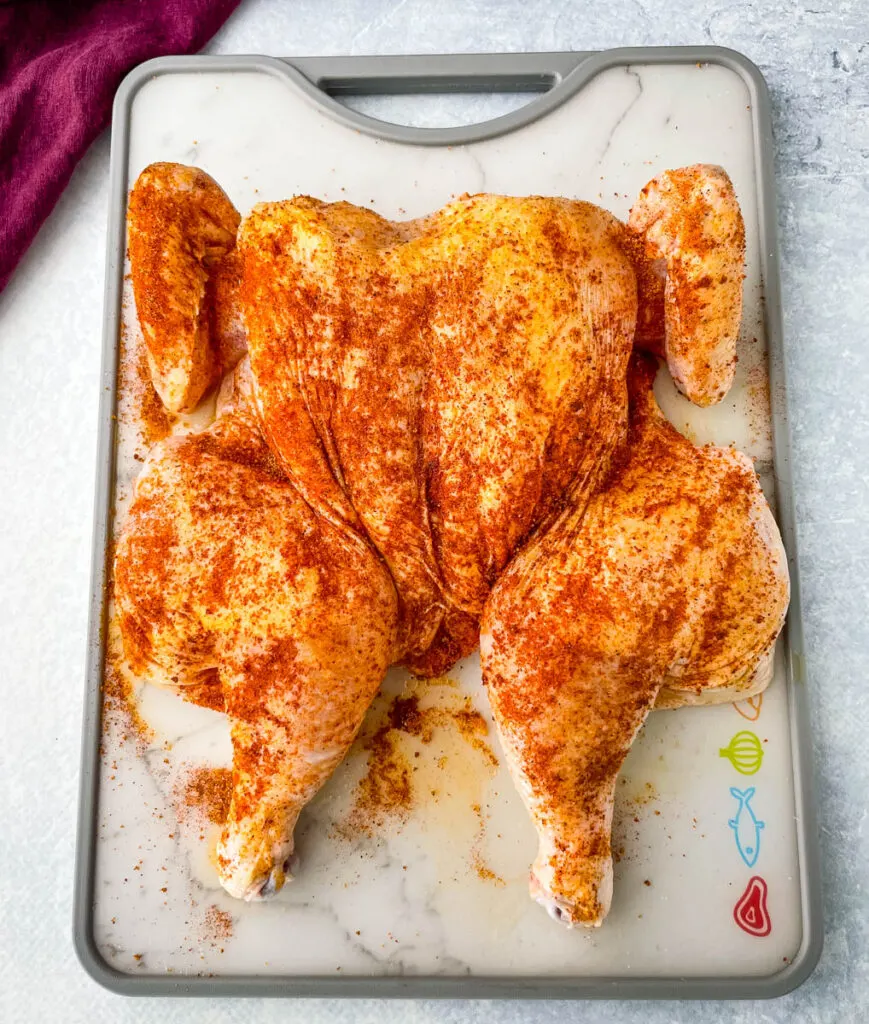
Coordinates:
[222,567]
[671,578]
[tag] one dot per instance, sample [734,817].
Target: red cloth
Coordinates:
[60,64]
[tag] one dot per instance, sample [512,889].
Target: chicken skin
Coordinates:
[223,569]
[440,422]
[440,383]
[672,581]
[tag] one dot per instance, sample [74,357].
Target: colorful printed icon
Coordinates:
[750,912]
[750,708]
[744,752]
[746,827]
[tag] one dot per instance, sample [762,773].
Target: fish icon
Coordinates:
[746,827]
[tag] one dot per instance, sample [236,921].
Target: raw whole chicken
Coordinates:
[441,423]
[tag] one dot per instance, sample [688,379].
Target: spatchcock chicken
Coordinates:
[432,435]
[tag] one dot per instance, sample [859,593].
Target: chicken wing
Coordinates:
[688,221]
[181,226]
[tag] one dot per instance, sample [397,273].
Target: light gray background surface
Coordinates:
[816,60]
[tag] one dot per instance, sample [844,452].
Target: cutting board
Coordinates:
[715,877]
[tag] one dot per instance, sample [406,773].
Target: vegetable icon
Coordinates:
[750,708]
[744,752]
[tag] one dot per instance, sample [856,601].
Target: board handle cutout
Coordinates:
[543,74]
[441,73]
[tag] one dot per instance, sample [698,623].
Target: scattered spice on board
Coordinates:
[485,873]
[139,404]
[119,699]
[218,923]
[388,789]
[207,790]
[645,796]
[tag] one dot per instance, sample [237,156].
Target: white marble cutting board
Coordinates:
[412,900]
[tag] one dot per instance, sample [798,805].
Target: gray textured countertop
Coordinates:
[817,64]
